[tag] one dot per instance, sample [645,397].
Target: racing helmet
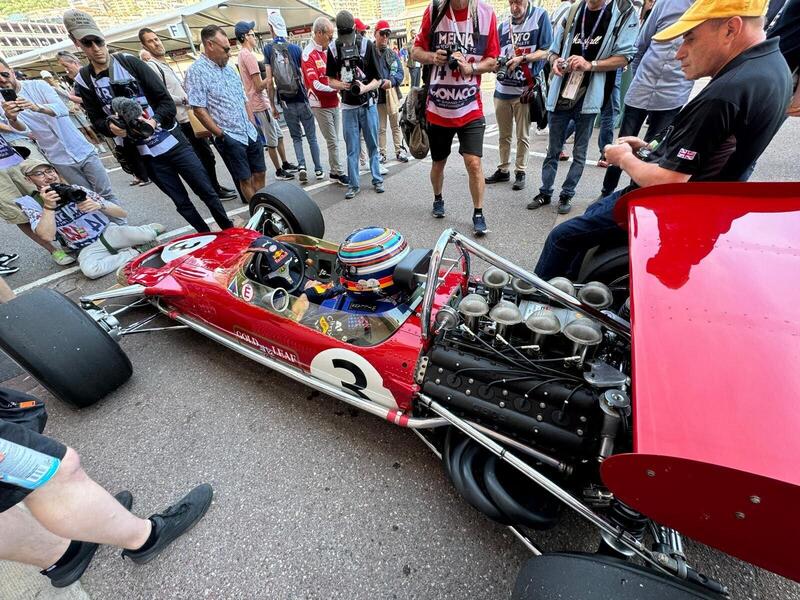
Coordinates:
[368,257]
[274,264]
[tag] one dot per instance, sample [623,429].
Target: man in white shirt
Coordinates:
[158,62]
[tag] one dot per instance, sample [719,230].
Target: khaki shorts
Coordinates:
[13,185]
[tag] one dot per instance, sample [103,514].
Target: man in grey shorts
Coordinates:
[258,101]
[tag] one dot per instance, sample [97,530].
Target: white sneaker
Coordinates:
[383,170]
[545,131]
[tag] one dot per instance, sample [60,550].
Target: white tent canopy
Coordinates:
[171,27]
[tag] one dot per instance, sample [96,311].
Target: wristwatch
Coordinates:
[594,65]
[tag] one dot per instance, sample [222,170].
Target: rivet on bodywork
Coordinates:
[651,473]
[739,515]
[755,499]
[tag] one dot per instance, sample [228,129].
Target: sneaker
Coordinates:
[479,225]
[519,181]
[545,131]
[289,167]
[351,193]
[226,193]
[174,522]
[539,200]
[564,205]
[8,269]
[562,156]
[402,155]
[62,258]
[438,208]
[318,173]
[71,571]
[283,175]
[343,180]
[378,187]
[498,177]
[302,174]
[383,170]
[7,258]
[382,159]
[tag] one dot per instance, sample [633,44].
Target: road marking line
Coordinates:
[171,234]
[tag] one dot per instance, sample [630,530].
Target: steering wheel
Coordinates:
[297,269]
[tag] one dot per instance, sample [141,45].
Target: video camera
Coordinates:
[67,193]
[129,113]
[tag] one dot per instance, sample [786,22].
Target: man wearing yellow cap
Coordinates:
[717,136]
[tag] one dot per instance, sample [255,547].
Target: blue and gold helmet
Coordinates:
[368,257]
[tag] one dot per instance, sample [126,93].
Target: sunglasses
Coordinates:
[89,41]
[226,48]
[385,32]
[45,171]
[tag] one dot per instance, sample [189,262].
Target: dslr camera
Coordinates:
[66,194]
[128,117]
[502,68]
[452,63]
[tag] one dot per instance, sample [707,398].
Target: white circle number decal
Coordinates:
[354,373]
[185,246]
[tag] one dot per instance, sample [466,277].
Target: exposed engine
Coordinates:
[546,380]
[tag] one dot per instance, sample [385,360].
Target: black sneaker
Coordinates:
[498,177]
[519,181]
[6,269]
[382,159]
[564,205]
[289,167]
[283,174]
[343,180]
[69,573]
[226,193]
[539,200]
[174,522]
[7,258]
[438,208]
[479,225]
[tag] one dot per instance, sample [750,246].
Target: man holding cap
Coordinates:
[391,70]
[257,100]
[717,136]
[285,87]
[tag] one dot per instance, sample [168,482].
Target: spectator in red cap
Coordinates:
[391,70]
[360,26]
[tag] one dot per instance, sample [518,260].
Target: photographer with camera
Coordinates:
[592,41]
[459,39]
[80,219]
[37,105]
[353,70]
[146,119]
[524,40]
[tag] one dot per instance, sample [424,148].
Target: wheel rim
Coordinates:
[274,222]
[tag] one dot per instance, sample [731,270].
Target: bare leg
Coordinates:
[273,156]
[437,175]
[28,230]
[248,188]
[6,294]
[24,540]
[258,180]
[477,185]
[281,150]
[74,507]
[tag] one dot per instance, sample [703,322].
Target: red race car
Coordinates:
[671,409]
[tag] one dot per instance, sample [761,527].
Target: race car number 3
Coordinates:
[354,373]
[185,246]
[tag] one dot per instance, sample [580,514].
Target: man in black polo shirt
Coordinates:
[717,136]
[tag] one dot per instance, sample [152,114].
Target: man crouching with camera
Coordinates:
[79,218]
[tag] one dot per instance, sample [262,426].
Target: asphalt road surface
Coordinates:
[313,499]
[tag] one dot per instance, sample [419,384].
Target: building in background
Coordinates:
[19,36]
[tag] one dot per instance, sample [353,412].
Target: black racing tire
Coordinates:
[53,339]
[609,265]
[294,211]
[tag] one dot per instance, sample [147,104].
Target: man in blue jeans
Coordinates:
[600,38]
[746,99]
[353,70]
[283,63]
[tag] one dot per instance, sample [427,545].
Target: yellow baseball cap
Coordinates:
[703,10]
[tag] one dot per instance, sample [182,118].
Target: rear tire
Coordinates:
[287,209]
[606,265]
[53,339]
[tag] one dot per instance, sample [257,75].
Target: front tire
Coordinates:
[287,209]
[53,339]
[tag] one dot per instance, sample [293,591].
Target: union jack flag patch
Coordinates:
[686,154]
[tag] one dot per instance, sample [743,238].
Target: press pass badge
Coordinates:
[24,467]
[573,85]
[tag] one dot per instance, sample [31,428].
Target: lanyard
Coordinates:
[584,41]
[461,42]
[511,27]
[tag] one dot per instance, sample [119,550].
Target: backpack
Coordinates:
[284,71]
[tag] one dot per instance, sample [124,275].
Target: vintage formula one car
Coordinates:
[669,410]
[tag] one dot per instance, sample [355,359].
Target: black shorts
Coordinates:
[242,161]
[470,139]
[11,494]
